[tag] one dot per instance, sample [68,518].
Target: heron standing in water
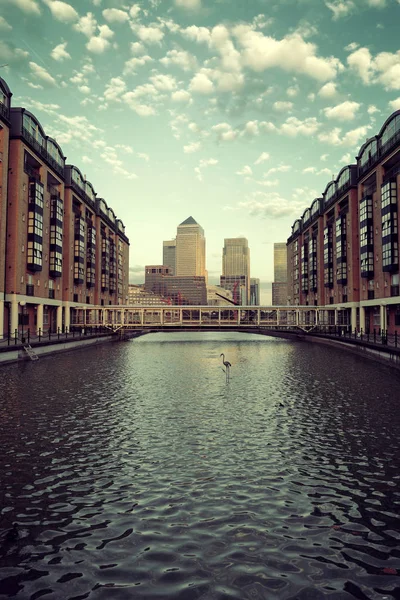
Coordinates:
[227,366]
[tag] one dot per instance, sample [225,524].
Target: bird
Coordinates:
[227,365]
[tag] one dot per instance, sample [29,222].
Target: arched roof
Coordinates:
[332,182]
[27,112]
[50,139]
[366,144]
[5,88]
[388,120]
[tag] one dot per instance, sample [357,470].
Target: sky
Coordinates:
[235,112]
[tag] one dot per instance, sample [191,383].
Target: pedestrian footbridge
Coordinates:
[173,318]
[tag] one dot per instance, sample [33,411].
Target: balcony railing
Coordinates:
[393,141]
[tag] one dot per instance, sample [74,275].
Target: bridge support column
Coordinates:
[67,316]
[258,317]
[336,316]
[353,318]
[278,314]
[382,310]
[39,319]
[14,316]
[59,318]
[362,318]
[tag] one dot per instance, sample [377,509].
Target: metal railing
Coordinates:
[377,337]
[21,338]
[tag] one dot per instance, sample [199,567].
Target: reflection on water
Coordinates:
[135,471]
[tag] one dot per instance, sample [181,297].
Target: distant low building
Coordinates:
[137,295]
[254,292]
[218,296]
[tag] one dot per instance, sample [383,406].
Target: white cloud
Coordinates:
[346,159]
[114,89]
[181,96]
[84,89]
[188,4]
[28,6]
[292,91]
[192,147]
[197,34]
[373,109]
[395,104]
[324,157]
[360,61]
[245,171]
[62,11]
[110,156]
[336,138]
[86,25]
[180,58]
[383,69]
[201,84]
[150,35]
[224,132]
[328,90]
[9,54]
[165,83]
[340,8]
[377,3]
[282,106]
[86,160]
[134,11]
[294,126]
[41,73]
[99,43]
[346,111]
[262,158]
[205,162]
[143,156]
[133,63]
[271,205]
[292,54]
[59,53]
[137,48]
[4,26]
[115,15]
[280,169]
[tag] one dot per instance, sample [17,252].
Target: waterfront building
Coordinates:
[5,100]
[174,289]
[190,250]
[236,269]
[137,295]
[169,255]
[254,292]
[343,252]
[155,276]
[279,285]
[61,247]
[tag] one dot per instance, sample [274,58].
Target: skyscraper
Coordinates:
[254,292]
[236,268]
[279,286]
[169,255]
[190,249]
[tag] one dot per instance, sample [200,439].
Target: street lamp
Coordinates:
[22,320]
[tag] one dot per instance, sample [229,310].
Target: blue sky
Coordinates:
[235,112]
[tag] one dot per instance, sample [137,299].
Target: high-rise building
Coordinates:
[190,250]
[254,292]
[279,285]
[169,255]
[236,269]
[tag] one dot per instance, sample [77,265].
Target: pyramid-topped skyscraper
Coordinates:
[190,249]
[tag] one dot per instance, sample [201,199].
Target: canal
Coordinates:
[134,470]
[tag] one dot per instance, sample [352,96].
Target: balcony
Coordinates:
[4,111]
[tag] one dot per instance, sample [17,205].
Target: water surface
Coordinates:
[134,470]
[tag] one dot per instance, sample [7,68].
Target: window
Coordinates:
[77,178]
[369,154]
[344,178]
[55,153]
[390,133]
[33,130]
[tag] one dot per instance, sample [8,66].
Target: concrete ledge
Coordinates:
[385,355]
[19,354]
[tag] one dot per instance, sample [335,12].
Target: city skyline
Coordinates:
[244,111]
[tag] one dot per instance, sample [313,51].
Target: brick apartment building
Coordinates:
[343,252]
[61,247]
